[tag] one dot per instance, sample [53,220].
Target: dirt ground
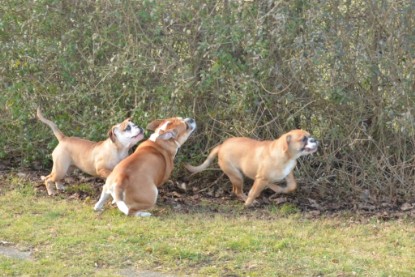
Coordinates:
[186,197]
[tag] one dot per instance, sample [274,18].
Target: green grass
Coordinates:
[68,239]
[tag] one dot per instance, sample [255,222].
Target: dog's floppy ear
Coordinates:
[168,135]
[111,134]
[286,142]
[154,124]
[124,124]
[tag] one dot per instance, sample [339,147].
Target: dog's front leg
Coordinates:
[290,187]
[103,198]
[104,172]
[258,186]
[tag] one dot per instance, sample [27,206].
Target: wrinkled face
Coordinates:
[301,142]
[176,129]
[127,133]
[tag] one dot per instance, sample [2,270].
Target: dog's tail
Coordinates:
[205,164]
[58,133]
[119,199]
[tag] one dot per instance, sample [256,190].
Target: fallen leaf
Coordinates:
[312,214]
[279,200]
[3,242]
[406,207]
[182,186]
[367,207]
[314,204]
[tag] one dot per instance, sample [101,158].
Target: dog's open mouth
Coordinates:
[190,124]
[310,149]
[138,136]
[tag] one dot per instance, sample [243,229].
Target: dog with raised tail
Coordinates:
[94,158]
[265,162]
[134,182]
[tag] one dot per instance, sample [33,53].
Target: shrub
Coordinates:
[343,70]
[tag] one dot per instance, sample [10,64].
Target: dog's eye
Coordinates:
[305,139]
[128,128]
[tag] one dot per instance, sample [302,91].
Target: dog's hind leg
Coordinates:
[145,200]
[51,181]
[103,198]
[61,164]
[139,209]
[236,178]
[49,184]
[55,178]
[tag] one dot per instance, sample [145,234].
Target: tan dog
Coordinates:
[95,158]
[266,162]
[134,181]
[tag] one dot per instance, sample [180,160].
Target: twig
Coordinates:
[213,184]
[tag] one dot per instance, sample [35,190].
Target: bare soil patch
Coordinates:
[11,251]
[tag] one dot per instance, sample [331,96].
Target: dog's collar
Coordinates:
[177,143]
[153,137]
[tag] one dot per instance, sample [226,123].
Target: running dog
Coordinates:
[266,162]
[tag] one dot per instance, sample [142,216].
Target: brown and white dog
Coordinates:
[95,158]
[266,162]
[134,182]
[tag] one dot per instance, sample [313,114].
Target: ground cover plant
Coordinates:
[192,237]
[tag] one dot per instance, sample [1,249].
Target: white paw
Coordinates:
[142,214]
[98,207]
[60,187]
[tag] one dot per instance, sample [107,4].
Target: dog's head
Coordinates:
[300,143]
[176,129]
[126,133]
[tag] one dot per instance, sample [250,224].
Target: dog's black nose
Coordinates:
[141,130]
[191,120]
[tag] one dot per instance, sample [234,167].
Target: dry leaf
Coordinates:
[406,207]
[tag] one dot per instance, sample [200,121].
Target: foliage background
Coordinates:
[341,69]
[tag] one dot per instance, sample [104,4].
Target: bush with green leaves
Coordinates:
[342,70]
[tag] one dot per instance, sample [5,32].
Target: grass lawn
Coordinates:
[67,238]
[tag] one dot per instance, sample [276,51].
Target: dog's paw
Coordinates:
[51,191]
[142,214]
[254,204]
[98,207]
[60,187]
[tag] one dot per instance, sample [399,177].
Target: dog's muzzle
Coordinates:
[140,133]
[190,123]
[311,145]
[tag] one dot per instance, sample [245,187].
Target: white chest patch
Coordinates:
[153,137]
[288,168]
